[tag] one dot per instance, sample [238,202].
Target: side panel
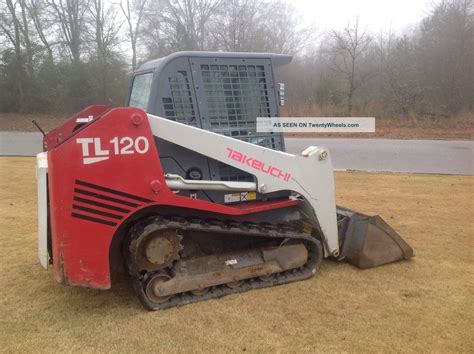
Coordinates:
[94,185]
[97,179]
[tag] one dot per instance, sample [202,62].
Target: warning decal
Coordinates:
[239,197]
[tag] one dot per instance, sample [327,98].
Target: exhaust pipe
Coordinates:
[368,241]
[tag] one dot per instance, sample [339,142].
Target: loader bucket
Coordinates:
[368,241]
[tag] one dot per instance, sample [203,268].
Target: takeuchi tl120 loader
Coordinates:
[181,191]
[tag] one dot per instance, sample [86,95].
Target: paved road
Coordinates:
[20,144]
[394,155]
[420,156]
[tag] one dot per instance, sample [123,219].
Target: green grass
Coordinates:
[420,305]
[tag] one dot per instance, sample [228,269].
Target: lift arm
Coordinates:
[309,174]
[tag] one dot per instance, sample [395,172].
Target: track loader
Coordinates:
[181,191]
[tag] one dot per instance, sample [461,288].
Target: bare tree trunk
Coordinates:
[24,27]
[348,48]
[351,85]
[70,16]
[99,30]
[15,38]
[103,21]
[133,28]
[34,11]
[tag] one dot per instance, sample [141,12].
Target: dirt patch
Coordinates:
[458,127]
[453,128]
[420,305]
[22,122]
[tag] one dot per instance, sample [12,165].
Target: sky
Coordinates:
[377,16]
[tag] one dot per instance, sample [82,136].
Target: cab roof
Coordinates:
[277,59]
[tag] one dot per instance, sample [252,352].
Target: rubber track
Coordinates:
[282,231]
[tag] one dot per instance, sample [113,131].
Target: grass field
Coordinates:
[421,305]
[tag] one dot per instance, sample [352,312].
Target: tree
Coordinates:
[12,28]
[238,26]
[59,55]
[105,32]
[37,13]
[70,16]
[446,53]
[348,48]
[181,24]
[399,74]
[133,14]
[282,30]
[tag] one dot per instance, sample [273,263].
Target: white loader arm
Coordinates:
[309,174]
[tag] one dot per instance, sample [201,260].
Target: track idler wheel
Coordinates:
[200,292]
[153,288]
[235,284]
[267,278]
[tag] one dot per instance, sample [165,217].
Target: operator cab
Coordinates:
[216,91]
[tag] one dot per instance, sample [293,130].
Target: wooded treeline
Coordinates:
[61,55]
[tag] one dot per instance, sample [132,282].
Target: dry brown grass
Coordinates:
[22,122]
[452,128]
[420,305]
[459,127]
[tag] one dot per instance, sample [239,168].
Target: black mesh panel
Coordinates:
[236,95]
[179,107]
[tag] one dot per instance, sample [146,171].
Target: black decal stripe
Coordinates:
[90,218]
[104,197]
[112,191]
[102,205]
[98,212]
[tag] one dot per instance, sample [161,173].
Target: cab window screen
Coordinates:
[141,90]
[236,95]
